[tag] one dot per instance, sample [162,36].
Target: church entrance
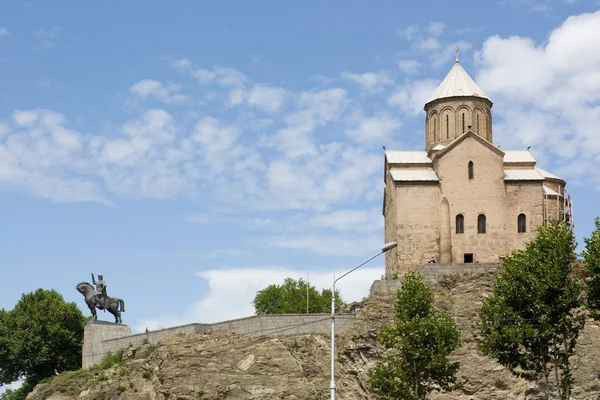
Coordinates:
[468,258]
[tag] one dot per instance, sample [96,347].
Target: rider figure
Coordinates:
[100,291]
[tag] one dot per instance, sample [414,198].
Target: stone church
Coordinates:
[462,199]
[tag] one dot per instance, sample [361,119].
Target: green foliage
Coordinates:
[41,337]
[591,255]
[17,394]
[111,359]
[419,342]
[120,389]
[531,322]
[290,298]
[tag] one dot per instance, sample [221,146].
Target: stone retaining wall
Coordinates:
[98,343]
[432,274]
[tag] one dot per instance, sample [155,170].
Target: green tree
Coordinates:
[419,343]
[290,298]
[41,337]
[591,255]
[531,321]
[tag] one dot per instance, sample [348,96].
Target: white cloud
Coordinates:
[409,67]
[39,156]
[219,305]
[223,76]
[411,97]
[436,28]
[546,98]
[369,81]
[349,220]
[13,386]
[470,30]
[48,38]
[3,32]
[314,109]
[372,129]
[267,98]
[409,32]
[164,93]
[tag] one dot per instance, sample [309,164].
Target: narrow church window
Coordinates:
[522,223]
[481,223]
[471,172]
[460,223]
[434,130]
[477,123]
[447,127]
[463,122]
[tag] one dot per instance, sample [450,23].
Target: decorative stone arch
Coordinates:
[463,119]
[447,123]
[488,123]
[479,125]
[433,127]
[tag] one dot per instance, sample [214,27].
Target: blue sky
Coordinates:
[193,153]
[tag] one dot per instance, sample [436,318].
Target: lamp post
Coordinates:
[385,248]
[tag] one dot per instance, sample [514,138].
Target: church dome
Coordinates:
[457,105]
[457,84]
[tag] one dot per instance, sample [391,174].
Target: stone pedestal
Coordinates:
[94,335]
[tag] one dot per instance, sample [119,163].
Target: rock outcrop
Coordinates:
[216,366]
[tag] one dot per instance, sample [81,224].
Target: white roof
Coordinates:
[457,83]
[407,157]
[414,174]
[522,175]
[547,190]
[438,147]
[518,156]
[546,174]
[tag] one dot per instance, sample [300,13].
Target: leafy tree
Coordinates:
[420,341]
[531,321]
[41,337]
[290,298]
[591,255]
[17,394]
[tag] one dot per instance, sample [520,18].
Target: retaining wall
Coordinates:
[433,273]
[98,343]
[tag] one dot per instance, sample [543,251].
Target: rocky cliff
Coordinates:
[216,366]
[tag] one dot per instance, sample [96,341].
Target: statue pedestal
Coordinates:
[94,335]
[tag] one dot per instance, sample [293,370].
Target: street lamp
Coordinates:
[385,248]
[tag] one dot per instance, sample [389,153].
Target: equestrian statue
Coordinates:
[98,298]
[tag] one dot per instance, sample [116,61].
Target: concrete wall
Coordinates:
[95,335]
[102,338]
[113,345]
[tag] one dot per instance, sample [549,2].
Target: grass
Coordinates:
[111,359]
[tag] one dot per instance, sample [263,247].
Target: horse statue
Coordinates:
[114,305]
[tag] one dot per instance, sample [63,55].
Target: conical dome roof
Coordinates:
[457,83]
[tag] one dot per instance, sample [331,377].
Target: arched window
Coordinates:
[460,223]
[471,171]
[481,223]
[463,122]
[434,130]
[522,223]
[447,127]
[477,123]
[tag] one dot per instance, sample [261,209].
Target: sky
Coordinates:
[195,152]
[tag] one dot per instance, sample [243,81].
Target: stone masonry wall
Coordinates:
[259,325]
[432,274]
